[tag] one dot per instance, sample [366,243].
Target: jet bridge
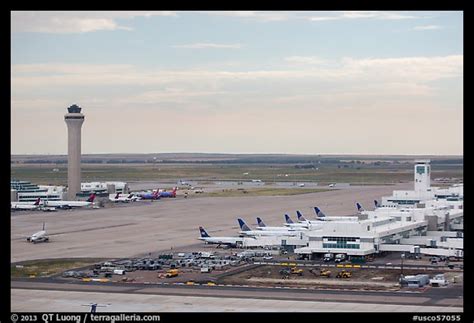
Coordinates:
[398,247]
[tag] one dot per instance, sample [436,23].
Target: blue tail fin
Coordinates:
[376,203]
[260,223]
[204,234]
[300,216]
[288,219]
[319,213]
[243,226]
[359,207]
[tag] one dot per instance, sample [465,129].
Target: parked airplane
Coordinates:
[322,217]
[307,223]
[47,209]
[39,236]
[245,230]
[70,204]
[169,194]
[150,195]
[263,226]
[229,241]
[123,198]
[25,205]
[289,223]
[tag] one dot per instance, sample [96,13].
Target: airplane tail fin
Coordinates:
[376,203]
[38,201]
[300,216]
[204,233]
[174,191]
[260,223]
[243,226]
[117,196]
[359,207]
[319,213]
[43,226]
[91,198]
[288,219]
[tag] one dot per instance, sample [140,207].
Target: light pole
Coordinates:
[401,267]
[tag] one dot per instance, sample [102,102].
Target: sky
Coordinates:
[297,82]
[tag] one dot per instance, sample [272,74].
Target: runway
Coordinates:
[35,296]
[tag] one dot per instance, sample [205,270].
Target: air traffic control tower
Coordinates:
[74,119]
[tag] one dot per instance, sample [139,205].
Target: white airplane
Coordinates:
[123,198]
[25,205]
[39,236]
[245,230]
[289,223]
[70,204]
[309,223]
[322,217]
[264,227]
[229,241]
[47,209]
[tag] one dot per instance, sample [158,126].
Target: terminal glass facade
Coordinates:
[341,242]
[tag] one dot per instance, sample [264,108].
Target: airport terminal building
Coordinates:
[426,220]
[24,191]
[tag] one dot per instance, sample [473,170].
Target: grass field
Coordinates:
[262,192]
[47,267]
[44,174]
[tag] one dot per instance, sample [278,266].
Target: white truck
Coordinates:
[340,257]
[438,280]
[328,257]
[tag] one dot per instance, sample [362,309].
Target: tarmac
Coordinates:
[127,230]
[28,300]
[140,228]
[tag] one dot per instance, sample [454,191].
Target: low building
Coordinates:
[28,192]
[103,189]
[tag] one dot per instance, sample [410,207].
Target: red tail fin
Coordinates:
[174,191]
[91,198]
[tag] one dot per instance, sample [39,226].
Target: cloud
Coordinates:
[352,15]
[403,69]
[66,22]
[211,102]
[427,27]
[209,45]
[323,18]
[265,16]
[305,60]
